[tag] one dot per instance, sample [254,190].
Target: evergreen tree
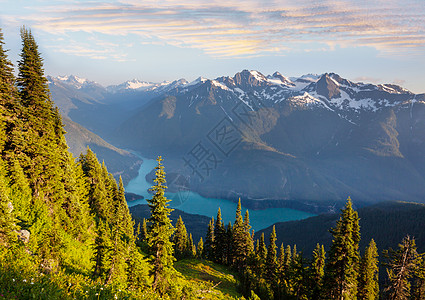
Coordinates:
[418,291]
[262,249]
[281,257]
[249,242]
[368,275]
[229,243]
[271,263]
[42,150]
[122,232]
[159,233]
[288,256]
[191,248]
[102,252]
[122,214]
[180,239]
[209,242]
[8,98]
[220,244]
[240,247]
[144,230]
[402,265]
[317,270]
[200,249]
[341,270]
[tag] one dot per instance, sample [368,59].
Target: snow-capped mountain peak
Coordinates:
[196,81]
[72,80]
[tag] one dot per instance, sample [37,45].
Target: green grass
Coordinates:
[222,283]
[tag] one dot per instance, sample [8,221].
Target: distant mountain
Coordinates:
[317,137]
[137,85]
[119,162]
[101,109]
[270,139]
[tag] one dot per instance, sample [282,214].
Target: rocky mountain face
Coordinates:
[272,140]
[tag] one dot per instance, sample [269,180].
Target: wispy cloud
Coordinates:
[233,28]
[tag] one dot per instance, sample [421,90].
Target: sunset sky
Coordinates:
[110,42]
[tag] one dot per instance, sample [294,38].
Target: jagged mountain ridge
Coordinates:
[316,137]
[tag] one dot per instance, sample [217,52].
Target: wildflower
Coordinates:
[97,294]
[24,280]
[13,279]
[101,288]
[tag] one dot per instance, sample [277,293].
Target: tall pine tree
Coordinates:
[220,244]
[159,234]
[180,239]
[341,270]
[368,275]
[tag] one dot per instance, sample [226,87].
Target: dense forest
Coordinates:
[66,231]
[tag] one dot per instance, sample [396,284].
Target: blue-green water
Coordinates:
[196,204]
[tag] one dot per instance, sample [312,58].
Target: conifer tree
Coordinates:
[144,229]
[8,98]
[281,256]
[317,270]
[229,243]
[98,192]
[249,242]
[262,249]
[368,275]
[341,270]
[288,256]
[123,216]
[191,248]
[159,232]
[200,248]
[240,247]
[219,239]
[402,264]
[180,239]
[418,290]
[271,263]
[42,150]
[102,252]
[209,242]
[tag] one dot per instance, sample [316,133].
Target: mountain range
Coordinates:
[270,140]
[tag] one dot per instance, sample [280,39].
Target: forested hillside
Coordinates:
[65,228]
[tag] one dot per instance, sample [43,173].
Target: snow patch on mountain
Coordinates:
[72,80]
[308,100]
[219,85]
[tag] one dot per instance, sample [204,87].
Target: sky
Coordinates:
[109,42]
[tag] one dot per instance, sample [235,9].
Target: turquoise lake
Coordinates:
[196,204]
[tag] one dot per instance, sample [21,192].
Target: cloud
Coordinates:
[98,51]
[367,79]
[234,29]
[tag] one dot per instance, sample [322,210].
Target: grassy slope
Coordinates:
[212,280]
